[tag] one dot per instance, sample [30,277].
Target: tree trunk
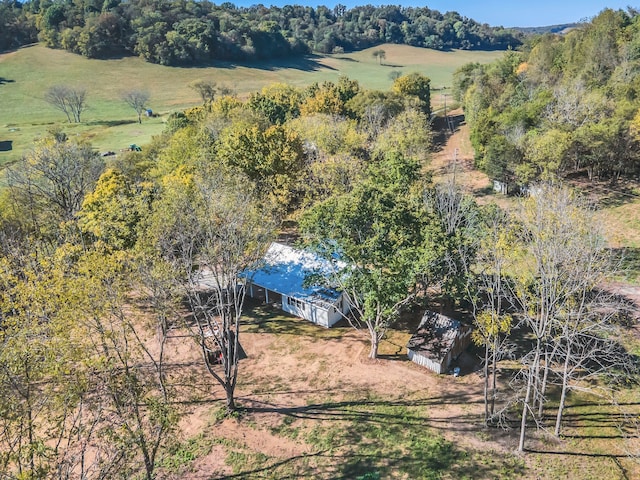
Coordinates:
[543,387]
[525,408]
[563,395]
[375,341]
[231,404]
[494,380]
[527,399]
[486,383]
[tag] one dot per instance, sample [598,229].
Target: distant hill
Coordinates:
[193,32]
[561,29]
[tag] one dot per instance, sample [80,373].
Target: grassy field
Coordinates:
[109,124]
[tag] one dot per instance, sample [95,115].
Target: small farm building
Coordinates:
[438,340]
[281,280]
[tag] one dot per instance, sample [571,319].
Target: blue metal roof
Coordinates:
[285,270]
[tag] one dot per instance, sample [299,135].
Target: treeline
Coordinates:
[563,104]
[187,32]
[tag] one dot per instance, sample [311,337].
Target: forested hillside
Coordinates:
[562,104]
[184,33]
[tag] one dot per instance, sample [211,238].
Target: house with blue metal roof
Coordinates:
[284,280]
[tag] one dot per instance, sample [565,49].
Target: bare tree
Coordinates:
[71,101]
[52,180]
[137,99]
[561,261]
[490,301]
[209,234]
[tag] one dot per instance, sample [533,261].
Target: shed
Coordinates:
[437,341]
[283,280]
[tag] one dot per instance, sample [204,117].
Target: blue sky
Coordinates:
[514,13]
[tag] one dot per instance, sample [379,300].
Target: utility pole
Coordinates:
[455,164]
[445,95]
[446,117]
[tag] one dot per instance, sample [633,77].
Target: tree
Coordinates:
[563,261]
[82,393]
[408,133]
[38,387]
[374,109]
[490,298]
[135,403]
[136,99]
[209,229]
[326,98]
[278,102]
[112,211]
[417,87]
[381,232]
[51,181]
[394,74]
[270,157]
[206,89]
[379,54]
[71,101]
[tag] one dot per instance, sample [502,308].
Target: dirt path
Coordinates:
[454,155]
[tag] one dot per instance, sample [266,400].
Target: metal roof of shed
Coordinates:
[435,335]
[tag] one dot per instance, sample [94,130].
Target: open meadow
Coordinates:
[110,124]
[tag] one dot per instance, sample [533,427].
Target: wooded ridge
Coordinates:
[183,33]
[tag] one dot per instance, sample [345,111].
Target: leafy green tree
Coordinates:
[408,133]
[278,102]
[270,157]
[382,233]
[328,135]
[101,36]
[41,381]
[111,212]
[380,54]
[325,98]
[417,86]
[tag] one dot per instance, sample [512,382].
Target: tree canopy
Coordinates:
[170,32]
[563,104]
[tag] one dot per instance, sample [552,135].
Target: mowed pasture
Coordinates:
[109,124]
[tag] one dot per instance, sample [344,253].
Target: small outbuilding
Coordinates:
[438,341]
[284,280]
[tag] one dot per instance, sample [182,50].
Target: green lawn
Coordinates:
[109,124]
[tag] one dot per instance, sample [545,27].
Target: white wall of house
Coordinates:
[325,317]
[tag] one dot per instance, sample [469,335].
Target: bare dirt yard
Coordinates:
[314,406]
